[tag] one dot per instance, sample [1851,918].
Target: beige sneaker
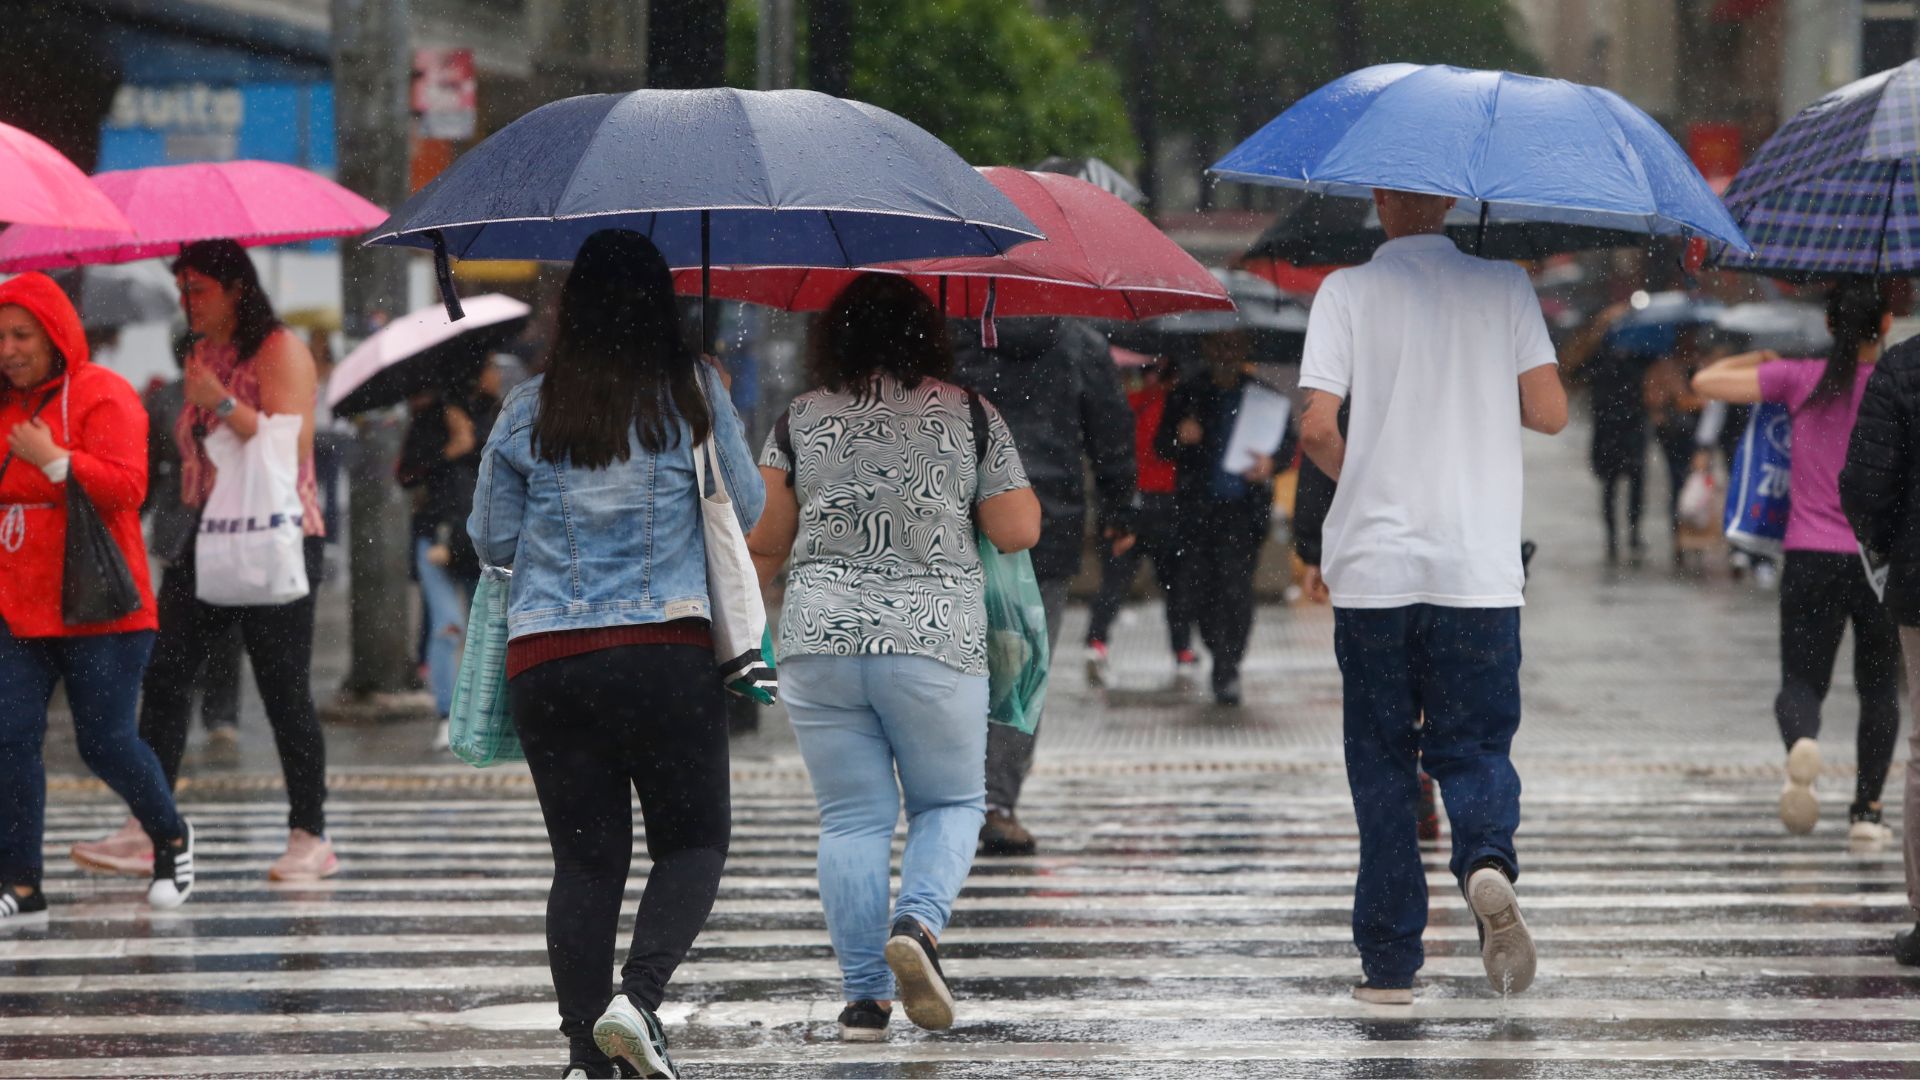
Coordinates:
[1506,946]
[307,858]
[1383,995]
[128,852]
[1799,809]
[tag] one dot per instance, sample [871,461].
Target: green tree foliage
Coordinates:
[1218,69]
[1000,82]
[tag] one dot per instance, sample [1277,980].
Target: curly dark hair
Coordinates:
[881,324]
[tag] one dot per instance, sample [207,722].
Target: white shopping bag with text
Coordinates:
[249,550]
[740,639]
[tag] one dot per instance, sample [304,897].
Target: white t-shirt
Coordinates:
[1428,345]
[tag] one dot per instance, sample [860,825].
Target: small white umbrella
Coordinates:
[423,351]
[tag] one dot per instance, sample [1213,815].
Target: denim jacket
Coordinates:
[592,548]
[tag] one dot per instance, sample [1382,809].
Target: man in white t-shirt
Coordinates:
[1442,358]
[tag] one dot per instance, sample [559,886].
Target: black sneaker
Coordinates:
[1906,947]
[172,873]
[15,906]
[915,960]
[864,1021]
[1227,691]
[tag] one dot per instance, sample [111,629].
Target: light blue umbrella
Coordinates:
[716,177]
[1527,149]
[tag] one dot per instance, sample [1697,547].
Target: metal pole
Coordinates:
[373,66]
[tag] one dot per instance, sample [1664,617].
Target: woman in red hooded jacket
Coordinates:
[65,422]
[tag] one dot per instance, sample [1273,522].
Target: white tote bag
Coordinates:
[249,550]
[740,640]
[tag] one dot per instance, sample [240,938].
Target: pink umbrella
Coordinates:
[40,187]
[1100,259]
[171,206]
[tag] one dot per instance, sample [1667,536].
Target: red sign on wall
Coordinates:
[1716,149]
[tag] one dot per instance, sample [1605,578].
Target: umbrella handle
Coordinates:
[443,270]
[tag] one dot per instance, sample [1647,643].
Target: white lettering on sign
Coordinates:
[195,107]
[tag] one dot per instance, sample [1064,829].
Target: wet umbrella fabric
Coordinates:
[39,186]
[1101,259]
[1327,230]
[423,351]
[1836,190]
[712,177]
[169,206]
[1532,149]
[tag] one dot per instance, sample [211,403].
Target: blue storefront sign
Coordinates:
[183,99]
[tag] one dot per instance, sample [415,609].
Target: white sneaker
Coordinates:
[172,875]
[1382,995]
[1799,809]
[635,1035]
[1765,576]
[1506,946]
[443,736]
[1869,831]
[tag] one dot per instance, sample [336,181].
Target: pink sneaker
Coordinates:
[128,852]
[307,858]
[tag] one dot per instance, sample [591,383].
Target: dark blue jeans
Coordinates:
[102,674]
[1460,668]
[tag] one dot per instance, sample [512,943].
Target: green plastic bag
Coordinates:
[480,723]
[1017,659]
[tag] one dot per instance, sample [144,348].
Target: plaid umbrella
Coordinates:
[1833,191]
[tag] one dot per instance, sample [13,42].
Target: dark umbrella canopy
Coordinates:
[722,176]
[1327,230]
[1835,190]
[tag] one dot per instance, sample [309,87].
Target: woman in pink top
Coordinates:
[244,366]
[1824,584]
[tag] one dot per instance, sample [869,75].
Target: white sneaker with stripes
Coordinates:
[172,873]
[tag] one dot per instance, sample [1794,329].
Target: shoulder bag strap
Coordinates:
[783,441]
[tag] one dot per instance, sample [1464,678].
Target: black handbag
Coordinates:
[95,584]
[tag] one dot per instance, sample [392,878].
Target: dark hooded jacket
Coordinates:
[1054,382]
[1880,485]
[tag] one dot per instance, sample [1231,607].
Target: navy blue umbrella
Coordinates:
[713,177]
[1526,149]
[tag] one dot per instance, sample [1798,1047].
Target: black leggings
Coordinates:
[279,642]
[1636,480]
[1820,592]
[596,728]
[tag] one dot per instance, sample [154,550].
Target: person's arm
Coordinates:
[1734,379]
[1005,506]
[106,453]
[1875,479]
[1583,345]
[771,541]
[289,386]
[1543,400]
[1320,436]
[460,440]
[1012,520]
[499,497]
[744,483]
[1168,442]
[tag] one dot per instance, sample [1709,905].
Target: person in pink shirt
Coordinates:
[1824,584]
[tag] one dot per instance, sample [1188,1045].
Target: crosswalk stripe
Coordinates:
[1233,903]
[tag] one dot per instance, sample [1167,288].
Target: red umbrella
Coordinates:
[1101,259]
[171,206]
[38,186]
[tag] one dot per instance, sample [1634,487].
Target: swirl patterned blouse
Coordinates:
[885,560]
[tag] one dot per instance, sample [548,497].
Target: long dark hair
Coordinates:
[227,263]
[1855,308]
[881,323]
[618,366]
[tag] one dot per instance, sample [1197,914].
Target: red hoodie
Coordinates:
[98,417]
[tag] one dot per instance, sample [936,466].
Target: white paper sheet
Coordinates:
[1259,429]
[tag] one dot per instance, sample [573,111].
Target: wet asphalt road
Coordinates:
[1189,909]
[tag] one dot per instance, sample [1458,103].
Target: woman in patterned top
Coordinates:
[875,485]
[245,366]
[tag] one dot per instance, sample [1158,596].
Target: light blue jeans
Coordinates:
[860,719]
[447,614]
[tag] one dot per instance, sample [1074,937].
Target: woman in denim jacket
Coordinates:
[587,490]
